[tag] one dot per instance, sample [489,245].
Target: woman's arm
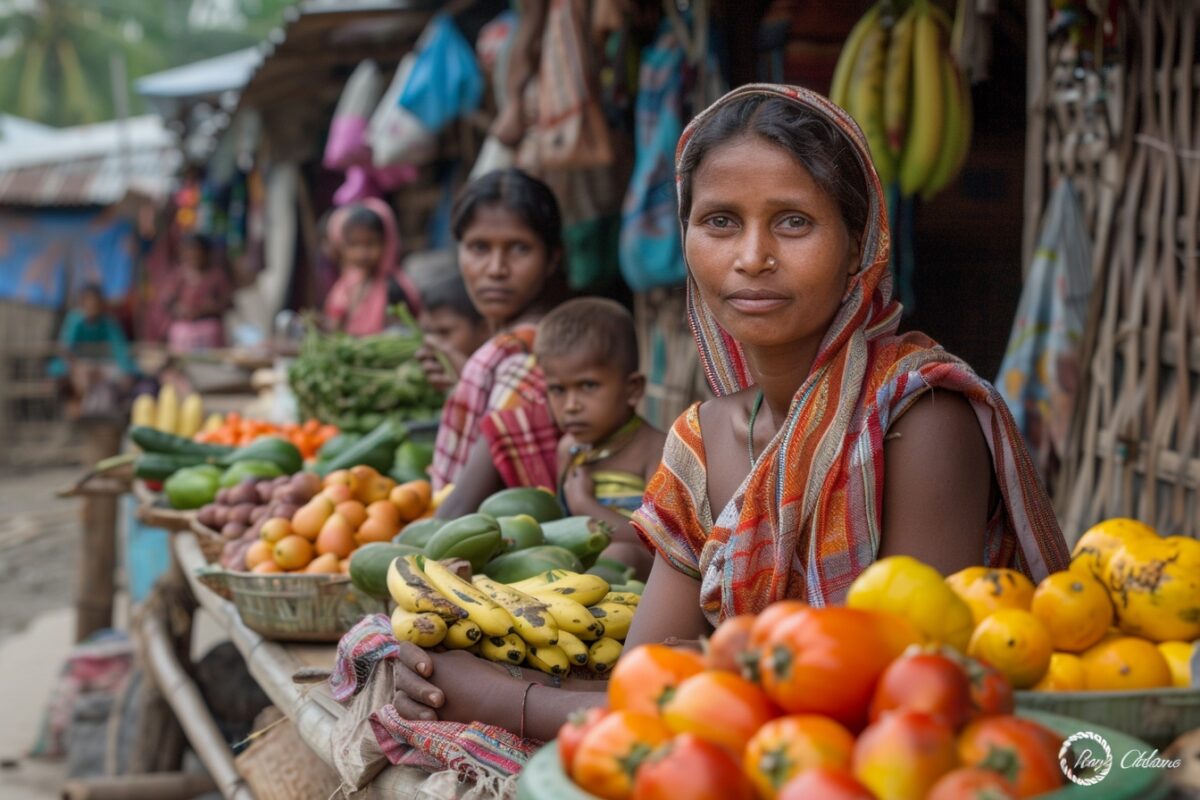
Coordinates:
[937,484]
[477,481]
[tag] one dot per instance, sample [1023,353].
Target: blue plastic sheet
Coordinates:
[46,256]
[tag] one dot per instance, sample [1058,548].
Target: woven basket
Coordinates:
[278,765]
[153,511]
[298,608]
[1157,716]
[211,542]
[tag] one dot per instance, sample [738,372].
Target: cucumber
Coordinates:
[522,564]
[537,503]
[160,466]
[269,448]
[417,534]
[369,565]
[152,440]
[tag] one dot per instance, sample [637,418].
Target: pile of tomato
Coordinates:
[236,430]
[800,702]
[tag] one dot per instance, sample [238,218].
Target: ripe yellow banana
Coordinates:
[580,587]
[549,659]
[952,134]
[423,629]
[616,617]
[574,647]
[571,616]
[531,619]
[143,411]
[624,598]
[482,610]
[191,415]
[924,139]
[462,634]
[866,98]
[166,413]
[412,590]
[510,648]
[213,422]
[839,90]
[896,82]
[603,653]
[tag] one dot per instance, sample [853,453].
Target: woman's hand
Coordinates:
[441,363]
[416,696]
[454,685]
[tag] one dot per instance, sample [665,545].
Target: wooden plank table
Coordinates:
[272,664]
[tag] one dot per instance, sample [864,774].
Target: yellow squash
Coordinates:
[1155,588]
[1100,541]
[917,592]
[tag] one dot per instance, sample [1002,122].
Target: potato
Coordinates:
[259,512]
[284,510]
[242,513]
[222,498]
[305,485]
[233,530]
[265,491]
[220,517]
[243,493]
[207,516]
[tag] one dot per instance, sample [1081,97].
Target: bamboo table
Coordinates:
[311,708]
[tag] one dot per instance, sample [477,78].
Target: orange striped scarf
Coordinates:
[807,520]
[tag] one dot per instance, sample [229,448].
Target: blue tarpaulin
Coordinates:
[46,256]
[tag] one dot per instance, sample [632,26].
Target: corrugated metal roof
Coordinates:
[19,129]
[89,164]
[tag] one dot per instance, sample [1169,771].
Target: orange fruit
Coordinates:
[341,477]
[424,490]
[408,502]
[258,552]
[1179,660]
[1125,663]
[353,511]
[985,590]
[327,564]
[267,568]
[344,566]
[1155,586]
[1099,542]
[1075,608]
[1015,643]
[275,529]
[1064,675]
[293,552]
[307,521]
[376,529]
[386,511]
[338,493]
[336,537]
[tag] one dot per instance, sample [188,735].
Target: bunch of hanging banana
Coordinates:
[898,78]
[552,622]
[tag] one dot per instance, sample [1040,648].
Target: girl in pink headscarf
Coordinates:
[369,248]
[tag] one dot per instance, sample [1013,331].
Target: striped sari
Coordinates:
[807,519]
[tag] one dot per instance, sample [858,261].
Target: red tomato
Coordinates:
[769,619]
[787,746]
[607,759]
[719,706]
[691,767]
[826,783]
[572,732]
[904,754]
[926,682]
[826,661]
[972,783]
[1019,749]
[991,693]
[727,647]
[647,676]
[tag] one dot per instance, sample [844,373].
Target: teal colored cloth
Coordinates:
[85,337]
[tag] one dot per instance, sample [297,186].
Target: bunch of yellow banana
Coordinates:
[167,414]
[552,622]
[898,79]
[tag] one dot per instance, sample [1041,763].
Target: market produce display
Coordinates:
[313,524]
[233,429]
[356,383]
[803,702]
[166,413]
[898,79]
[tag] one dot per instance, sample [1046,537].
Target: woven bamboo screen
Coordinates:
[1130,139]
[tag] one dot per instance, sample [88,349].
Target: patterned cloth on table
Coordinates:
[1041,369]
[488,756]
[807,519]
[500,376]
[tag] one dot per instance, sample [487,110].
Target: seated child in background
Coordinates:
[452,326]
[587,349]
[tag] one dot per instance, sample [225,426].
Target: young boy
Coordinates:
[587,349]
[452,326]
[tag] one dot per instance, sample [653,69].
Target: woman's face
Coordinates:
[768,248]
[362,249]
[504,264]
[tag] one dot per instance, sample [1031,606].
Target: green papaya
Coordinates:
[269,448]
[537,503]
[192,487]
[249,469]
[369,565]
[522,564]
[612,571]
[586,537]
[418,533]
[475,537]
[633,587]
[520,532]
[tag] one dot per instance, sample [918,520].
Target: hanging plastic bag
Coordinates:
[445,81]
[396,135]
[347,144]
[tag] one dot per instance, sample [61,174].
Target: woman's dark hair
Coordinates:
[362,217]
[814,141]
[522,194]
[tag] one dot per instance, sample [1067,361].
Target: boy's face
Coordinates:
[590,399]
[464,335]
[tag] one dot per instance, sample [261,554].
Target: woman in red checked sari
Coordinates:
[833,440]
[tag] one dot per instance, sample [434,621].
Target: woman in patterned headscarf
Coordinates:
[833,440]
